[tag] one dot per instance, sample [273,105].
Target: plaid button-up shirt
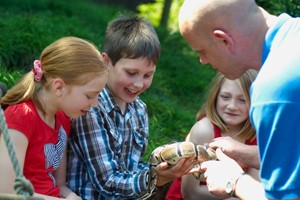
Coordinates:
[105,150]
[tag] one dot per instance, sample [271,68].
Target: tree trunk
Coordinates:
[165,13]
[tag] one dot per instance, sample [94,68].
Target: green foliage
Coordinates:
[153,12]
[291,7]
[29,26]
[9,77]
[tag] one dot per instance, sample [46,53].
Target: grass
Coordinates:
[179,83]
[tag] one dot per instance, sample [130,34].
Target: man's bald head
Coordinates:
[227,34]
[210,14]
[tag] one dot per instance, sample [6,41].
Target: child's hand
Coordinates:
[167,173]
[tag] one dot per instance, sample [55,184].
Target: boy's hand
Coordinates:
[167,173]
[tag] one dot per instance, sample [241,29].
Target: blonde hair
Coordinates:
[74,60]
[209,110]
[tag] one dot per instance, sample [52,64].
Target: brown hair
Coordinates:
[131,37]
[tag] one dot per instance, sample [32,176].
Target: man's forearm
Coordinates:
[248,188]
[251,159]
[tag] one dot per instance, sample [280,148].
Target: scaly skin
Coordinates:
[172,153]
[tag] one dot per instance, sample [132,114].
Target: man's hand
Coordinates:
[245,155]
[219,172]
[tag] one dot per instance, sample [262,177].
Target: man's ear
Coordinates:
[58,86]
[226,38]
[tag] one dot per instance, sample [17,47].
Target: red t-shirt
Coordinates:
[174,192]
[45,144]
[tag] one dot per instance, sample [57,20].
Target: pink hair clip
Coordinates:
[37,70]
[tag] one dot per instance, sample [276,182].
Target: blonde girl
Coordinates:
[64,83]
[225,114]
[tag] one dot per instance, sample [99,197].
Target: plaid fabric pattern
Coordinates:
[105,150]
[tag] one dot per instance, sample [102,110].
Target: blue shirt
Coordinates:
[275,110]
[106,147]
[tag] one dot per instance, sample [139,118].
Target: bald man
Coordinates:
[234,36]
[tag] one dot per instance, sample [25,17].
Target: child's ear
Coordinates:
[226,39]
[106,59]
[58,86]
